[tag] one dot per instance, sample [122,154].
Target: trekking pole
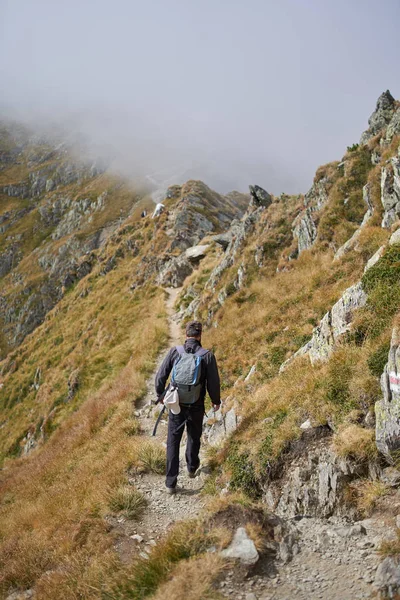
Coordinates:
[160,415]
[158,421]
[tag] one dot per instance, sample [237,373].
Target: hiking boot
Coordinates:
[170,491]
[192,474]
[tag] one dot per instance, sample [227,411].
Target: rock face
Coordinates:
[305,231]
[200,211]
[175,272]
[305,225]
[393,128]
[387,410]
[315,483]
[336,322]
[381,116]
[390,191]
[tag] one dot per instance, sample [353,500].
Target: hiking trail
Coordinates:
[162,510]
[337,559]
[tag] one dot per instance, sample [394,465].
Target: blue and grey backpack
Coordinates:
[186,374]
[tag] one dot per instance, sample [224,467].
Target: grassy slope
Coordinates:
[54,500]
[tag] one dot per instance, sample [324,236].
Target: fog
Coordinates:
[230,91]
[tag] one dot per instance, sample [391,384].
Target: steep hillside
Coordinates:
[301,300]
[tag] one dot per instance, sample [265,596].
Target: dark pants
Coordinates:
[192,417]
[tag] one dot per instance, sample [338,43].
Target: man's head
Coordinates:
[194,329]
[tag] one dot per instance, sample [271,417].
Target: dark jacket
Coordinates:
[209,372]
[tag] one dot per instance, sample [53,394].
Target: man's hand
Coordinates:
[216,407]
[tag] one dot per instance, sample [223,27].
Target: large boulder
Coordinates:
[387,410]
[242,548]
[381,116]
[259,196]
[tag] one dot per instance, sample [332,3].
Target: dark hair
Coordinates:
[194,329]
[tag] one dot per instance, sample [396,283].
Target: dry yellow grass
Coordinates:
[193,579]
[356,442]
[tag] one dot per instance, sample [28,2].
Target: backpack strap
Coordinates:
[180,350]
[201,352]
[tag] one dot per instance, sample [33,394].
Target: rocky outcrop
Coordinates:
[381,116]
[175,271]
[315,480]
[239,232]
[387,410]
[333,325]
[72,220]
[305,230]
[222,425]
[352,243]
[336,322]
[259,196]
[393,128]
[200,211]
[9,259]
[390,191]
[305,225]
[317,196]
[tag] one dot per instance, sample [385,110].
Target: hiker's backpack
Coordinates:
[186,374]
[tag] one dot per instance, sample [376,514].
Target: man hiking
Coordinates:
[194,370]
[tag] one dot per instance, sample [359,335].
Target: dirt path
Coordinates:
[162,510]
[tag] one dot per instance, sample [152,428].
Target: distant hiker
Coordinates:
[144,213]
[159,209]
[194,370]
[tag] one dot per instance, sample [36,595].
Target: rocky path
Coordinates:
[162,510]
[333,559]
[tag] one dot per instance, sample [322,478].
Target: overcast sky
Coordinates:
[231,91]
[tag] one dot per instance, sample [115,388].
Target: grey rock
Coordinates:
[225,425]
[374,259]
[314,485]
[317,196]
[390,191]
[175,272]
[305,230]
[391,477]
[393,128]
[381,116]
[242,548]
[387,578]
[395,238]
[259,196]
[196,253]
[223,239]
[387,410]
[336,322]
